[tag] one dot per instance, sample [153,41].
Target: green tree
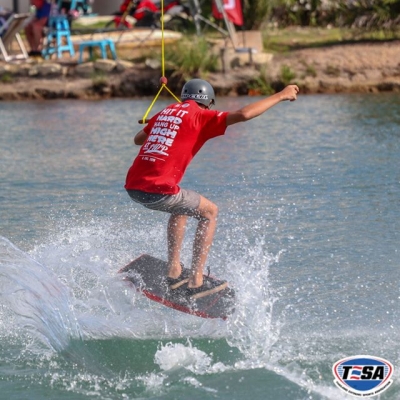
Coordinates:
[257,12]
[370,14]
[303,12]
[355,13]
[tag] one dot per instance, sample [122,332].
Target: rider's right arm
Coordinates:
[259,107]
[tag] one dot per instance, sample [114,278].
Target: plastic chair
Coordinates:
[58,37]
[102,44]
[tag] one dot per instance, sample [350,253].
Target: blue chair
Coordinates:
[102,44]
[58,37]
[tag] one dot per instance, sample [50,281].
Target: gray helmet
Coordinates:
[200,91]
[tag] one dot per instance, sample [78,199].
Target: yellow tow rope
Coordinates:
[163,79]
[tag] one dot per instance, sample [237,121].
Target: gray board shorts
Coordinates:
[185,202]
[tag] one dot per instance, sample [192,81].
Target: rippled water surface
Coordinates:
[308,235]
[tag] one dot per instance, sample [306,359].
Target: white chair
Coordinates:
[10,31]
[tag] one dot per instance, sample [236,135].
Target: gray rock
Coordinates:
[46,69]
[123,65]
[153,63]
[85,70]
[105,65]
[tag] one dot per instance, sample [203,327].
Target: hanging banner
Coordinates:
[233,10]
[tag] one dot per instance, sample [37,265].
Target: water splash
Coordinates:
[254,328]
[174,356]
[35,298]
[86,258]
[82,258]
[81,262]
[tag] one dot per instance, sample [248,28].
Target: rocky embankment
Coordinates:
[366,67]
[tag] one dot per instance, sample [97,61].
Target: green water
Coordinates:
[308,234]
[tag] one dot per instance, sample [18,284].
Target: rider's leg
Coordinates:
[207,215]
[175,235]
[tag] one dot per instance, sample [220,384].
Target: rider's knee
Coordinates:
[215,211]
[209,214]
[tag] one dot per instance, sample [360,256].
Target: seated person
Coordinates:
[34,30]
[128,7]
[146,13]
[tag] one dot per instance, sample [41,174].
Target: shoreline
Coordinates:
[343,68]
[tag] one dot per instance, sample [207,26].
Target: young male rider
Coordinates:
[169,142]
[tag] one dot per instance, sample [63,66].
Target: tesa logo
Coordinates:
[363,376]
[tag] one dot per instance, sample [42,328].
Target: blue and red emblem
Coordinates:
[363,375]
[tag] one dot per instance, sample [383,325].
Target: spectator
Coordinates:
[34,30]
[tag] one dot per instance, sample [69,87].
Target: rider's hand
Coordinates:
[289,93]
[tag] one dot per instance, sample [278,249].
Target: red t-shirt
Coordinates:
[174,136]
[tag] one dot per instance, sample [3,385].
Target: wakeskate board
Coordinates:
[148,273]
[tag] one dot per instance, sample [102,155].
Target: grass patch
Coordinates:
[287,75]
[283,40]
[292,38]
[6,78]
[191,56]
[99,80]
[332,71]
[309,70]
[261,85]
[82,28]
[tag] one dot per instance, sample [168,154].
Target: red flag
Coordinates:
[233,10]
